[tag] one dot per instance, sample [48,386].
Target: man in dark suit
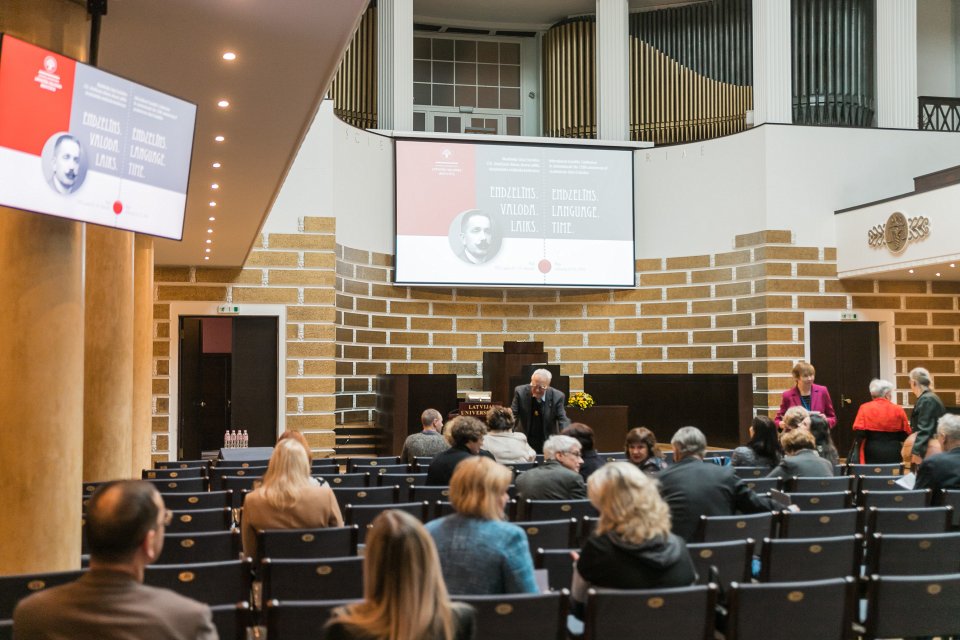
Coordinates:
[538,408]
[466,436]
[125,526]
[694,488]
[942,471]
[558,478]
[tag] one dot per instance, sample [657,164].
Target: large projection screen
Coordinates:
[79,143]
[490,214]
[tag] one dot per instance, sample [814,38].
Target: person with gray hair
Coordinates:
[879,428]
[538,408]
[943,471]
[923,419]
[558,478]
[429,442]
[693,488]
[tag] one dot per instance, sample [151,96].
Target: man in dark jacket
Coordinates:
[693,488]
[467,433]
[538,408]
[558,478]
[942,471]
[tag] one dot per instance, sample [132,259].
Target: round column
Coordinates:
[142,353]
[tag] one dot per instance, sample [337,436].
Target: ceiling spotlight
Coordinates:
[938,274]
[213,203]
[214,186]
[223,104]
[216,165]
[209,230]
[909,270]
[953,265]
[207,249]
[219,139]
[206,257]
[229,56]
[209,241]
[211,218]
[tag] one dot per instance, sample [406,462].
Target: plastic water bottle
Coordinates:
[246,439]
[226,439]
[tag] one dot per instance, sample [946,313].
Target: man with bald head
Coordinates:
[126,520]
[538,408]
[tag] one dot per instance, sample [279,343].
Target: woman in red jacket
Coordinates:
[880,426]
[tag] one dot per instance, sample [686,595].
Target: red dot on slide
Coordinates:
[117,207]
[544,266]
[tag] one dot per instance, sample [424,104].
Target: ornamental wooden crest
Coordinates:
[898,231]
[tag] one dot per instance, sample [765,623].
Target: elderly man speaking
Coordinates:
[538,408]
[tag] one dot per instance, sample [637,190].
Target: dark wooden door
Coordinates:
[847,357]
[253,378]
[188,420]
[214,399]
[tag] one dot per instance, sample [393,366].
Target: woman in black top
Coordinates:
[641,448]
[584,435]
[763,448]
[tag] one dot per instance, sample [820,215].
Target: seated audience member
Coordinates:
[820,429]
[693,489]
[558,478]
[428,442]
[125,530]
[584,435]
[942,471]
[632,547]
[466,435]
[293,434]
[800,457]
[795,418]
[641,448]
[287,498]
[479,552]
[404,594]
[880,427]
[763,448]
[502,441]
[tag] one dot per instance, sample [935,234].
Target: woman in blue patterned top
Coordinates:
[479,552]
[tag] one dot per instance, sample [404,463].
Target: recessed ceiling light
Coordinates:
[230,56]
[214,186]
[219,139]
[206,257]
[216,165]
[211,218]
[209,241]
[213,203]
[223,104]
[207,249]
[909,270]
[938,274]
[209,230]
[953,265]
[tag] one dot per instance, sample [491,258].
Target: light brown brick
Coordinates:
[389,291]
[945,319]
[782,285]
[830,253]
[751,303]
[431,324]
[163,367]
[373,274]
[613,367]
[161,311]
[292,332]
[291,368]
[734,320]
[611,339]
[648,264]
[431,353]
[663,367]
[637,324]
[356,256]
[319,296]
[312,421]
[230,276]
[902,286]
[584,324]
[688,262]
[353,352]
[688,353]
[848,286]
[302,277]
[160,386]
[778,317]
[659,279]
[163,330]
[585,354]
[686,293]
[390,322]
[375,368]
[372,305]
[558,311]
[318,332]
[497,339]
[458,309]
[301,241]
[459,368]
[559,339]
[822,302]
[526,295]
[354,287]
[408,337]
[735,351]
[159,423]
[929,302]
[479,325]
[346,270]
[665,337]
[637,295]
[465,354]
[409,308]
[786,253]
[731,258]
[638,353]
[733,290]
[309,350]
[663,308]
[537,324]
[373,337]
[480,295]
[876,302]
[779,350]
[817,269]
[161,348]
[388,353]
[213,294]
[171,274]
[317,260]
[941,351]
[316,224]
[930,335]
[712,336]
[934,366]
[355,319]
[711,275]
[763,237]
[264,295]
[945,287]
[901,319]
[439,295]
[611,310]
[714,366]
[688,322]
[712,306]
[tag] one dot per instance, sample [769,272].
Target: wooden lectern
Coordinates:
[401,398]
[498,367]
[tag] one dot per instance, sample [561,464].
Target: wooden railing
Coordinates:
[939,114]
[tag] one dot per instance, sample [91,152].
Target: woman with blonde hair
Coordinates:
[404,594]
[288,498]
[795,418]
[479,552]
[632,546]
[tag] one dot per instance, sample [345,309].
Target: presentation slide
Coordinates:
[79,143]
[488,214]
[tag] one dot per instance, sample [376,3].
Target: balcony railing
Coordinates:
[939,114]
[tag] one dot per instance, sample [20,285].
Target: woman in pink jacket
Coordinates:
[812,397]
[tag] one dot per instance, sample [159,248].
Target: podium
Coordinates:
[609,424]
[499,366]
[401,398]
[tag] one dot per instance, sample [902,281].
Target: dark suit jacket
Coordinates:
[109,605]
[551,481]
[941,471]
[693,488]
[441,467]
[806,463]
[819,401]
[554,415]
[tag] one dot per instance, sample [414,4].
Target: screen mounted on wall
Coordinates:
[489,214]
[79,143]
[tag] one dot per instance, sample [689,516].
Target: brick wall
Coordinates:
[740,311]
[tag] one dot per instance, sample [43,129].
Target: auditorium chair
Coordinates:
[218,475]
[762,485]
[197,520]
[520,467]
[722,562]
[173,474]
[821,609]
[684,613]
[550,534]
[316,579]
[801,484]
[421,463]
[799,559]
[240,464]
[324,465]
[15,588]
[440,509]
[738,527]
[430,493]
[612,456]
[181,464]
[240,485]
[751,472]
[373,462]
[177,485]
[913,554]
[402,480]
[558,564]
[520,616]
[199,500]
[365,495]
[878,483]
[330,542]
[6,629]
[920,520]
[383,468]
[821,524]
[207,546]
[210,582]
[897,499]
[363,515]
[588,524]
[555,509]
[90,487]
[298,619]
[822,500]
[232,620]
[950,498]
[912,606]
[893,469]
[353,480]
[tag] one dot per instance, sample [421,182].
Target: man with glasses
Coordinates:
[942,471]
[538,408]
[558,478]
[125,525]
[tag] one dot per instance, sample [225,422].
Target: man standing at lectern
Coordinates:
[538,408]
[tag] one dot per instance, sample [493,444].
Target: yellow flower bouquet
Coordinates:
[580,400]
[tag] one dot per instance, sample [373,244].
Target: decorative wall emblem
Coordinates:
[898,231]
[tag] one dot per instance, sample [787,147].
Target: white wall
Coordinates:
[936,52]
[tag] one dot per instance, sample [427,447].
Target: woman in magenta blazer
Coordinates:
[812,397]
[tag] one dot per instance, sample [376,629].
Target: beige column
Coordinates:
[142,352]
[108,354]
[41,392]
